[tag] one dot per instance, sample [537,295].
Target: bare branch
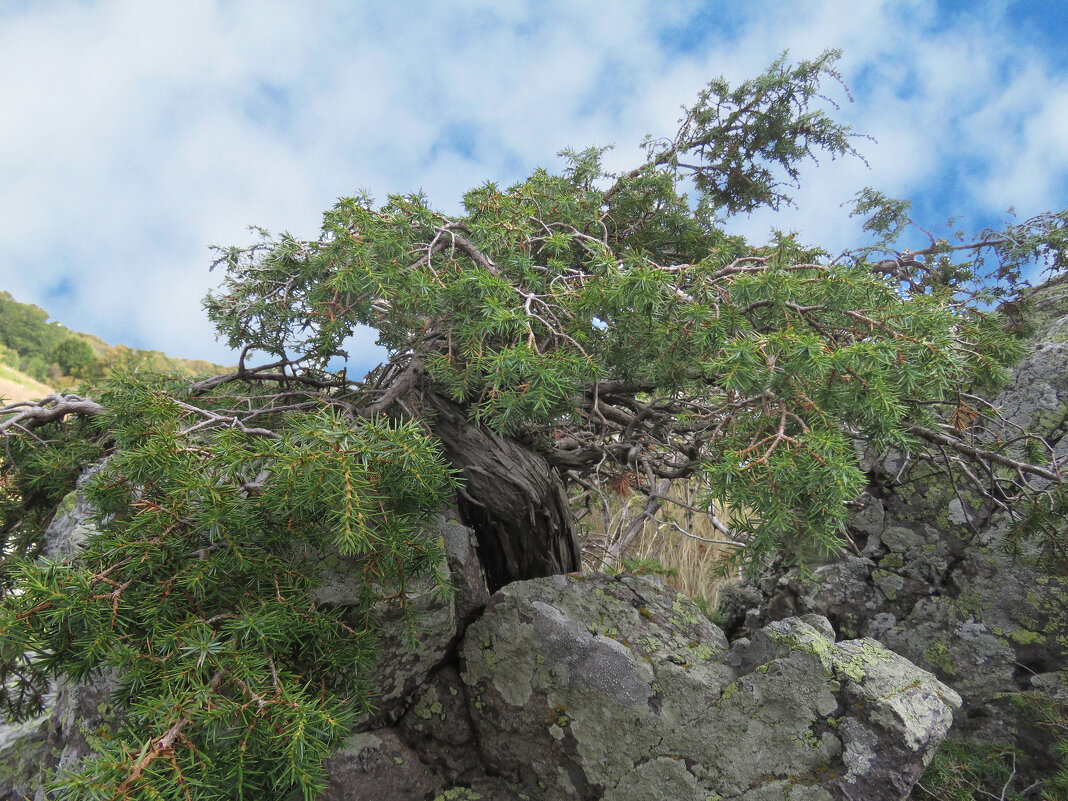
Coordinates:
[50,409]
[980,453]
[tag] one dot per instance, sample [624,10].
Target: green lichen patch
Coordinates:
[889,584]
[703,653]
[1026,637]
[22,762]
[802,638]
[458,794]
[66,506]
[728,692]
[937,656]
[808,739]
[855,667]
[491,659]
[685,612]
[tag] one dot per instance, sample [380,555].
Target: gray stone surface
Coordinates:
[438,726]
[24,751]
[72,522]
[378,766]
[615,688]
[618,688]
[933,583]
[401,669]
[31,752]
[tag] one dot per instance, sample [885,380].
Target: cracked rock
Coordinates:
[615,688]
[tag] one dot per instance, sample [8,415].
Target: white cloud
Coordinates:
[145,131]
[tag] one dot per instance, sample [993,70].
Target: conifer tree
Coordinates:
[561,333]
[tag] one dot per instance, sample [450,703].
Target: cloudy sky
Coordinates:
[136,133]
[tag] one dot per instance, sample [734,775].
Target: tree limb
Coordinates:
[980,453]
[30,415]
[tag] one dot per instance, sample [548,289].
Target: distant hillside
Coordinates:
[17,386]
[50,353]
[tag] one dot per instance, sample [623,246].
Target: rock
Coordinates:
[438,726]
[30,752]
[933,583]
[402,669]
[24,749]
[80,707]
[73,521]
[618,688]
[378,766]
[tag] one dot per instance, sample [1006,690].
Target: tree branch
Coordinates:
[980,453]
[31,415]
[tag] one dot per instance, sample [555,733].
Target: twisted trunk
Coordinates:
[512,499]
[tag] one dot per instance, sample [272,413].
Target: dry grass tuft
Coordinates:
[681,543]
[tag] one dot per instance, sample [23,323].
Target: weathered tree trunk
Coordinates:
[512,499]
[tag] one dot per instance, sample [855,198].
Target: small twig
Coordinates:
[693,536]
[162,746]
[1008,781]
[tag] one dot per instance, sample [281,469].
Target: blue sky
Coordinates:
[135,134]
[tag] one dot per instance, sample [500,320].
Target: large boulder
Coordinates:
[618,688]
[577,687]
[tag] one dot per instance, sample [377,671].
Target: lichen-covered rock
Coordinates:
[401,669]
[438,726]
[31,753]
[483,789]
[931,581]
[618,688]
[24,751]
[378,766]
[81,710]
[984,623]
[73,521]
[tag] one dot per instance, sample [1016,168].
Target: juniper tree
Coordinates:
[559,334]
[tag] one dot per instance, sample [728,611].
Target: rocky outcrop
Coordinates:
[598,687]
[838,684]
[933,583]
[588,687]
[30,753]
[402,670]
[24,748]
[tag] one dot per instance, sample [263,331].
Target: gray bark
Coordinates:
[511,497]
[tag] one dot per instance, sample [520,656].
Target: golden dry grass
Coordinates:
[682,541]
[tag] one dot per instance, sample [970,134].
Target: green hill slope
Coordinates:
[17,386]
[48,352]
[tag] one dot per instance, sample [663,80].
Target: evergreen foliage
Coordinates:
[605,322]
[196,593]
[968,771]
